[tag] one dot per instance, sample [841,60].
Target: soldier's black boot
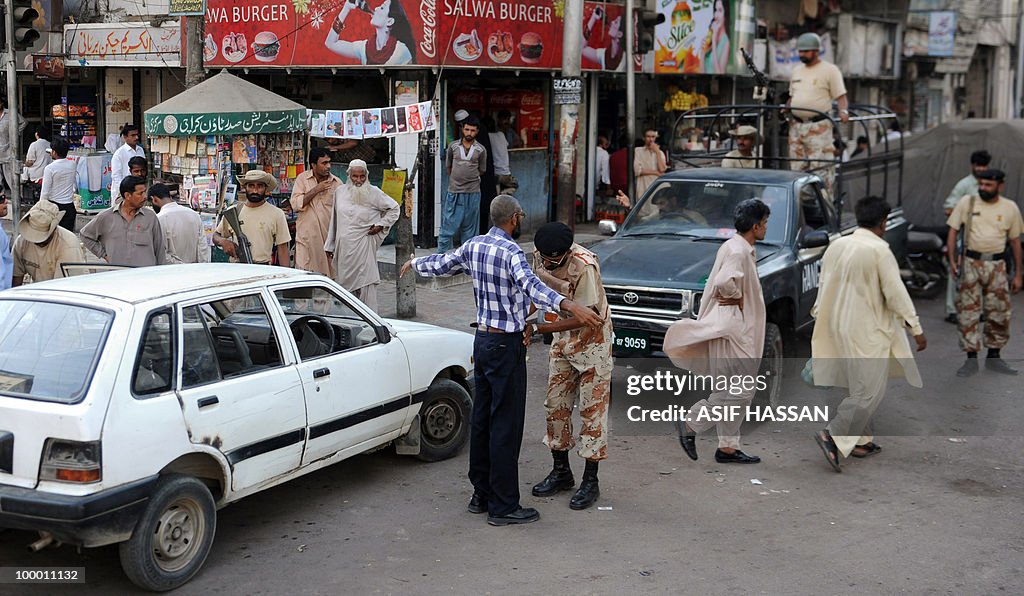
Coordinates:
[589,491]
[559,479]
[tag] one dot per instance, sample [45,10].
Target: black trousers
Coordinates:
[499,410]
[67,220]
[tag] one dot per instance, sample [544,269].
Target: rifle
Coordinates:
[244,252]
[961,252]
[763,89]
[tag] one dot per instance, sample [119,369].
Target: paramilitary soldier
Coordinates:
[580,364]
[990,220]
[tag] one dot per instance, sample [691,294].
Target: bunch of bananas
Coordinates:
[681,100]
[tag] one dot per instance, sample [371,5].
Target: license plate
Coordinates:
[631,341]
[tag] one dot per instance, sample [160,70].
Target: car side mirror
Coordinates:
[816,239]
[607,227]
[383,334]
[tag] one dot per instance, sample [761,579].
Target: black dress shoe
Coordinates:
[558,480]
[477,504]
[586,495]
[953,318]
[1000,366]
[969,369]
[689,443]
[523,515]
[736,457]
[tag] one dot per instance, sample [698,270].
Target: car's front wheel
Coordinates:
[771,367]
[444,420]
[173,536]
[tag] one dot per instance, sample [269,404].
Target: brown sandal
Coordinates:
[828,447]
[867,450]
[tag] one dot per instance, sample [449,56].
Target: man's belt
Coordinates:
[817,118]
[980,256]
[486,329]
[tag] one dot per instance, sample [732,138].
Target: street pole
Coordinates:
[405,248]
[1018,96]
[572,36]
[12,117]
[630,99]
[194,71]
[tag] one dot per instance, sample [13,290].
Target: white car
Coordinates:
[135,403]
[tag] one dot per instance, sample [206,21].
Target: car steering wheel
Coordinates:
[301,326]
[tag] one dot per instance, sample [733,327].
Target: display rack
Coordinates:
[73,121]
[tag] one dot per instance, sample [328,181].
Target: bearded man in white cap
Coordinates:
[362,216]
[42,245]
[264,225]
[743,155]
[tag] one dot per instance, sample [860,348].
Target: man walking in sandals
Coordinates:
[862,312]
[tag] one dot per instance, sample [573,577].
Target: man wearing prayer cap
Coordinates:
[990,221]
[362,216]
[580,366]
[743,155]
[42,245]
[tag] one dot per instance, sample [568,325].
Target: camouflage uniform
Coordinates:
[984,288]
[814,141]
[580,365]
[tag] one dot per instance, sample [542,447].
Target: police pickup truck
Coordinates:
[655,266]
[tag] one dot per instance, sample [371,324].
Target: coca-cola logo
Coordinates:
[428,12]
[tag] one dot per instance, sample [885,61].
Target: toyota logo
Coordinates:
[631,298]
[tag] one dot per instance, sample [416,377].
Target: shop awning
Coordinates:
[224,105]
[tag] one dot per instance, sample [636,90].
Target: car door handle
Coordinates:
[321,372]
[208,401]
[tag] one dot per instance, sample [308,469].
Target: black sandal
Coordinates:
[828,447]
[869,450]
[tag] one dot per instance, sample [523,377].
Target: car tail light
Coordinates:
[71,461]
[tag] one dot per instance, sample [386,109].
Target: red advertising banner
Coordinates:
[519,34]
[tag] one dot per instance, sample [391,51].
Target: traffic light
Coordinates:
[25,34]
[647,21]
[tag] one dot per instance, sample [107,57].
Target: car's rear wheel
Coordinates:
[771,365]
[444,420]
[173,536]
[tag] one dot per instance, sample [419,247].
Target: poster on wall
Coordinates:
[941,33]
[519,34]
[703,36]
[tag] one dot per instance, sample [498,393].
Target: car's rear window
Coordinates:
[49,350]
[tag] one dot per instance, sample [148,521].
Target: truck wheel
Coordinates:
[173,537]
[444,420]
[771,365]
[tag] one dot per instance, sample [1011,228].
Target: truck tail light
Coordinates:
[71,461]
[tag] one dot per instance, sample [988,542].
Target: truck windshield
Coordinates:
[48,350]
[703,209]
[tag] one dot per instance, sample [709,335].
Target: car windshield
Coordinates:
[702,209]
[48,350]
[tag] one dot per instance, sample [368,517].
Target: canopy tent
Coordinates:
[933,162]
[224,105]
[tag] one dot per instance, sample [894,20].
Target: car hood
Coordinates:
[411,326]
[661,261]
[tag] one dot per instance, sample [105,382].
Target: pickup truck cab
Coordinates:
[655,266]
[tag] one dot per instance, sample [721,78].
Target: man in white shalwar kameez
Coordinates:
[727,338]
[362,216]
[859,338]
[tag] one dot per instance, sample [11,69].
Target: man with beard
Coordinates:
[580,364]
[743,155]
[990,220]
[362,216]
[264,225]
[728,335]
[466,162]
[313,199]
[814,85]
[503,285]
[967,186]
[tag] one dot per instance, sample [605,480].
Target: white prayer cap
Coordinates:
[356,164]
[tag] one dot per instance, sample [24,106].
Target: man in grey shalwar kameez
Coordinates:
[362,216]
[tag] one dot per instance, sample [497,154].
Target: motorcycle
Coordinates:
[923,270]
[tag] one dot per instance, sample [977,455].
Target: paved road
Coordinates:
[927,515]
